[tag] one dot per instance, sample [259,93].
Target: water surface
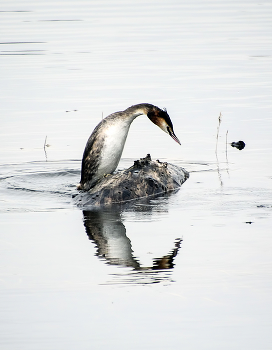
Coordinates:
[191,269]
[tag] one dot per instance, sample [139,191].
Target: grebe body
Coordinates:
[105,145]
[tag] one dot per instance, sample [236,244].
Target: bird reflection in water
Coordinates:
[107,231]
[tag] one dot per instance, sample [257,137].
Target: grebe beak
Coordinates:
[172,134]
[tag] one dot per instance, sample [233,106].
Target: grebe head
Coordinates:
[161,118]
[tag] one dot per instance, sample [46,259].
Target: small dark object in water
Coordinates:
[239,145]
[145,178]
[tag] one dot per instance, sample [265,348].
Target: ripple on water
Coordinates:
[38,186]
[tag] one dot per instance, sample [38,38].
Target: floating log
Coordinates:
[145,178]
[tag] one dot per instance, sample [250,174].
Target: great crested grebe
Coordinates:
[105,145]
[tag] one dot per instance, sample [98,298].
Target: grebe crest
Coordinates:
[105,145]
[161,118]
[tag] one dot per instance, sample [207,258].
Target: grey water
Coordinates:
[191,269]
